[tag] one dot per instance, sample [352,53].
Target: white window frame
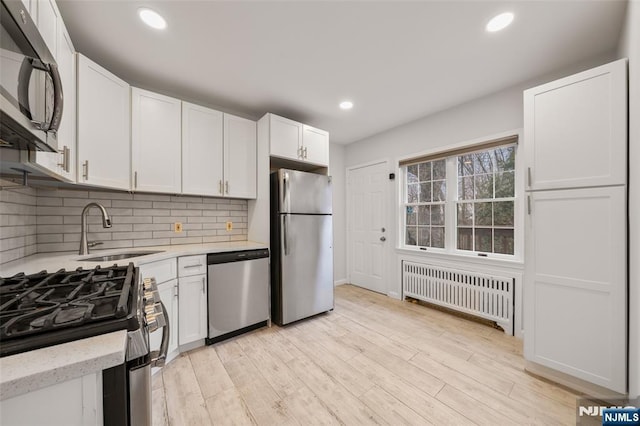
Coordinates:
[451,250]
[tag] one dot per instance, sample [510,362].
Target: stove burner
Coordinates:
[71,303]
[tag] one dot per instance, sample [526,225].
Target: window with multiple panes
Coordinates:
[426,196]
[474,188]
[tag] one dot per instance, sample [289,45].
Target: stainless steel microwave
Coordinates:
[31,99]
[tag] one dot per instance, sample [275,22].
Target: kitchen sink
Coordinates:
[120,256]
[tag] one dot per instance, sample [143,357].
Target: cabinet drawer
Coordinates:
[192,265]
[162,270]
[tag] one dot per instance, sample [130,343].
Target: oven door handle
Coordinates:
[158,358]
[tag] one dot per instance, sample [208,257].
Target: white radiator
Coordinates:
[484,295]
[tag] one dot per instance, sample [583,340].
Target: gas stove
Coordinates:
[45,309]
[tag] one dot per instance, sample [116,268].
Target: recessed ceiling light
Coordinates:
[346,105]
[152,18]
[499,22]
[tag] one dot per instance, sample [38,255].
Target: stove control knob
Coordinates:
[152,309]
[155,321]
[151,297]
[149,284]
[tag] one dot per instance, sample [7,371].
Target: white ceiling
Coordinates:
[397,61]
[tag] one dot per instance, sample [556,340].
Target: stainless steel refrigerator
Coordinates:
[301,245]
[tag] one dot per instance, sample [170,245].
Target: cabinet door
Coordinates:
[575,284]
[155,142]
[103,112]
[315,145]
[239,157]
[192,309]
[66,60]
[202,153]
[169,295]
[575,129]
[285,137]
[47,22]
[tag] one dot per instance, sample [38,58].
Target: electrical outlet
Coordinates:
[177,227]
[229,226]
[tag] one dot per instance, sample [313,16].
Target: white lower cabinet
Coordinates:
[74,402]
[575,284]
[192,303]
[192,308]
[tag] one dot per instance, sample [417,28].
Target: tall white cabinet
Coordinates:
[575,295]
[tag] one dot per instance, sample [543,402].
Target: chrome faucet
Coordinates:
[106,223]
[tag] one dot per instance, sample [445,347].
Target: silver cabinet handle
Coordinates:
[135,179]
[195,265]
[383,239]
[529,204]
[226,187]
[220,187]
[65,159]
[85,170]
[528,176]
[202,285]
[305,152]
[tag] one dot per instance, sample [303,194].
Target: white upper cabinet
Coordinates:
[239,157]
[575,130]
[104,111]
[315,145]
[60,165]
[66,60]
[202,158]
[291,140]
[156,134]
[285,137]
[48,20]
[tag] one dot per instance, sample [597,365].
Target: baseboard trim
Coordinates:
[343,281]
[573,383]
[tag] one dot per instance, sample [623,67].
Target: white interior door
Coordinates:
[367,226]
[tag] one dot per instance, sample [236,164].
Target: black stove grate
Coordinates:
[43,309]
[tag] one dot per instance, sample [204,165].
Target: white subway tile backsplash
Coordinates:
[151,227]
[48,220]
[136,204]
[152,197]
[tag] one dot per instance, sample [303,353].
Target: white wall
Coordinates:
[491,115]
[630,48]
[337,171]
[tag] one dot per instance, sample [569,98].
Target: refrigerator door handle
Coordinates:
[286,200]
[285,236]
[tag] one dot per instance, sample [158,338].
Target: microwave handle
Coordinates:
[24,77]
[58,99]
[26,69]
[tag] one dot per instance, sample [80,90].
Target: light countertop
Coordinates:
[28,371]
[71,260]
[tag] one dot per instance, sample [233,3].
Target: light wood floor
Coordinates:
[373,360]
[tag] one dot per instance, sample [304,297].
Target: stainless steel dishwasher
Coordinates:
[238,296]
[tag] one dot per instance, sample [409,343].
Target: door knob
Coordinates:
[383,238]
[383,229]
